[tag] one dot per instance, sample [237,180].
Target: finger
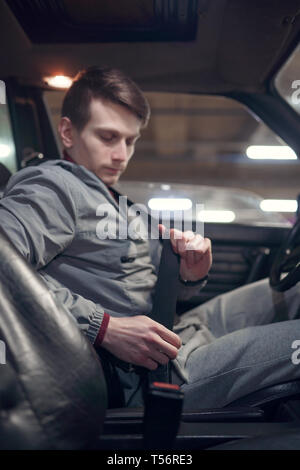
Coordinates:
[159,357]
[161,331]
[168,335]
[175,236]
[189,242]
[150,364]
[162,229]
[208,244]
[206,249]
[163,344]
[194,257]
[183,236]
[202,252]
[179,238]
[166,349]
[199,245]
[195,242]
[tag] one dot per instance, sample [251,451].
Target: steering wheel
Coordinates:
[285,271]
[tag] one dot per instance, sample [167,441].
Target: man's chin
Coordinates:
[109,180]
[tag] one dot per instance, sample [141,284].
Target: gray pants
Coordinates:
[234,344]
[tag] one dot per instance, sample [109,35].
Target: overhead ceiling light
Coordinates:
[4,150]
[270,152]
[170,204]
[216,216]
[279,205]
[59,81]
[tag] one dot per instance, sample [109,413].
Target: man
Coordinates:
[51,214]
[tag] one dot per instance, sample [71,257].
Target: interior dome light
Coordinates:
[59,81]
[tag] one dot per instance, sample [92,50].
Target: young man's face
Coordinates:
[106,143]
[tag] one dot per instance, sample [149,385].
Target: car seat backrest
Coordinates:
[52,392]
[5,174]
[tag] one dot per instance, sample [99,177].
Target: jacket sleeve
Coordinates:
[38,214]
[88,315]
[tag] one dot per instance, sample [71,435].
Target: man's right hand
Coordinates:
[140,341]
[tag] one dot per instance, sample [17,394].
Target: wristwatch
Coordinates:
[201,282]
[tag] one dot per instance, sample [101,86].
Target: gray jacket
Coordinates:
[51,214]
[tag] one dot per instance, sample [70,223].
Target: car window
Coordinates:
[201,203]
[7,145]
[212,136]
[287,80]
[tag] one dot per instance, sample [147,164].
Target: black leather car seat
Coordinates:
[52,389]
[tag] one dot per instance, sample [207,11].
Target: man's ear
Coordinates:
[66,132]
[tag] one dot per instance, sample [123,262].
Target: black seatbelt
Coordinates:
[165,295]
[165,298]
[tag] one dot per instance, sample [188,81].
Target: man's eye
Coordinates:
[107,138]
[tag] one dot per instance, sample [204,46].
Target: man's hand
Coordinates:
[194,251]
[140,341]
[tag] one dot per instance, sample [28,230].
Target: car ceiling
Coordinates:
[238,44]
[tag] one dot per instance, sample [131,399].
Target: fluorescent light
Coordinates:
[165,187]
[169,204]
[59,81]
[216,216]
[4,150]
[279,205]
[270,152]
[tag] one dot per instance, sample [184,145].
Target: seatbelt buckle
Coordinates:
[163,407]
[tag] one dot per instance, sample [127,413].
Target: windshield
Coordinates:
[201,203]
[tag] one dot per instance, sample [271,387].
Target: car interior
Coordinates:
[234,56]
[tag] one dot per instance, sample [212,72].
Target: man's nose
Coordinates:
[120,151]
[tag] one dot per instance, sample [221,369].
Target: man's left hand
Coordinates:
[195,253]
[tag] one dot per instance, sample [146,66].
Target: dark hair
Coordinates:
[107,84]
